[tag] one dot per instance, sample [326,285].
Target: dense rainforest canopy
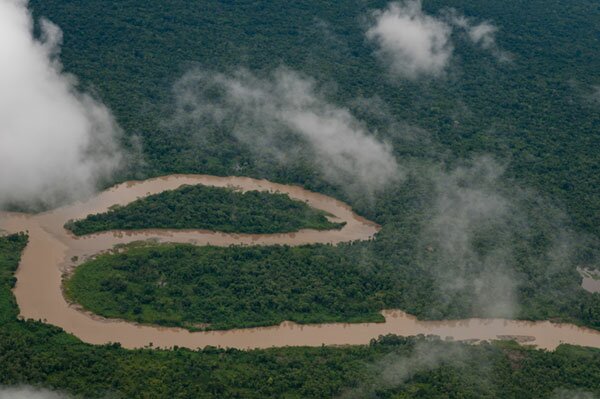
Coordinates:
[41,355]
[537,116]
[534,112]
[210,208]
[186,286]
[220,288]
[533,115]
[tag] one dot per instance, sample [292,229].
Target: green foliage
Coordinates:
[185,285]
[211,208]
[188,286]
[531,112]
[10,253]
[39,354]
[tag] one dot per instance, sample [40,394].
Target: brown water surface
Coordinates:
[51,251]
[590,279]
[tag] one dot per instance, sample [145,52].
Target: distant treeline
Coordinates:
[210,208]
[41,355]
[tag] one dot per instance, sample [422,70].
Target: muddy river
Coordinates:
[51,252]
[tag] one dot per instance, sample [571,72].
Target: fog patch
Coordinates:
[572,394]
[465,248]
[56,142]
[374,110]
[29,393]
[286,117]
[412,43]
[482,34]
[480,232]
[395,369]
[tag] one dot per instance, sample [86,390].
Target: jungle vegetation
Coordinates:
[41,355]
[186,286]
[533,114]
[210,208]
[239,286]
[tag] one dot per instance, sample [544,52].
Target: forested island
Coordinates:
[209,208]
[221,288]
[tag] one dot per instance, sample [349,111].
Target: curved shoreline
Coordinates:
[51,249]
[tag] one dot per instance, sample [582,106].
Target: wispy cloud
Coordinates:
[411,42]
[480,232]
[395,369]
[469,253]
[285,117]
[482,34]
[25,392]
[573,394]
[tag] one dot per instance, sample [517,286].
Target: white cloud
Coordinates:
[285,117]
[482,34]
[56,143]
[412,43]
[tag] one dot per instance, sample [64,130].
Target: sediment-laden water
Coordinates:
[590,280]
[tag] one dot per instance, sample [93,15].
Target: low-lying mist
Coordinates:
[285,116]
[26,392]
[394,369]
[485,238]
[464,235]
